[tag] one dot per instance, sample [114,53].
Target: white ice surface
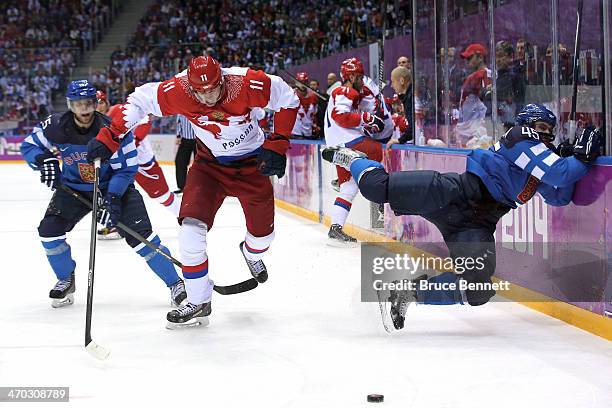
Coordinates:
[303,339]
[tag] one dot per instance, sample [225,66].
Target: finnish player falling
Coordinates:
[466,207]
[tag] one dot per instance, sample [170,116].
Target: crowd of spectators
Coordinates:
[40,43]
[264,34]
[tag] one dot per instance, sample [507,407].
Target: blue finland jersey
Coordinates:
[60,131]
[519,165]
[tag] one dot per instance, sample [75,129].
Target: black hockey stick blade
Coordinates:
[244,286]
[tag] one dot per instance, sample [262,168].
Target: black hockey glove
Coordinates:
[270,163]
[49,166]
[565,149]
[110,210]
[372,123]
[587,145]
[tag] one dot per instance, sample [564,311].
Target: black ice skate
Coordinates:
[339,238]
[257,268]
[397,305]
[341,156]
[188,315]
[177,293]
[108,233]
[63,292]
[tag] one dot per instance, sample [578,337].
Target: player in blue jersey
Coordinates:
[63,137]
[466,207]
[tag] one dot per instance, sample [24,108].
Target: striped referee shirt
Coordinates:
[183,128]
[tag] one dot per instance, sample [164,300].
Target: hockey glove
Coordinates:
[49,166]
[587,144]
[565,149]
[372,123]
[272,161]
[103,146]
[110,210]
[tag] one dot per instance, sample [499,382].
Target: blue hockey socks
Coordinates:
[158,263]
[359,166]
[59,256]
[440,292]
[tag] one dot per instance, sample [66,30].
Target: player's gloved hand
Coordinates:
[565,149]
[587,145]
[109,211]
[272,161]
[372,123]
[49,167]
[103,146]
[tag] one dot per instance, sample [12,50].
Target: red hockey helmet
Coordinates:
[204,73]
[351,66]
[302,77]
[101,96]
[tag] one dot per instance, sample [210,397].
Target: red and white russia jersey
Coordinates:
[343,118]
[230,129]
[306,114]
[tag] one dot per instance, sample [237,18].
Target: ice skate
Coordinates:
[188,315]
[62,293]
[257,268]
[339,238]
[394,310]
[341,156]
[108,233]
[178,294]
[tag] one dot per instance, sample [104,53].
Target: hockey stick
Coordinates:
[575,75]
[240,287]
[320,95]
[94,349]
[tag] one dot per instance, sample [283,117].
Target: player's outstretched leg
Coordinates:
[341,156]
[134,215]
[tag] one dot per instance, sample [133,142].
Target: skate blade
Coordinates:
[340,244]
[385,314]
[109,237]
[66,301]
[198,321]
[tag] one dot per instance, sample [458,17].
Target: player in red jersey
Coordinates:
[350,122]
[150,175]
[308,107]
[233,159]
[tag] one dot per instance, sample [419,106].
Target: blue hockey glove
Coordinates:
[109,211]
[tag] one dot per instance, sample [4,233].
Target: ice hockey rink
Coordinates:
[303,339]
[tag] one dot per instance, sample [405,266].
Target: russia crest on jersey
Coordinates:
[87,172]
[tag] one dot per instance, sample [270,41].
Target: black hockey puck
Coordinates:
[376,398]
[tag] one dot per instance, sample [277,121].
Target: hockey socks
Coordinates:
[59,256]
[158,263]
[360,166]
[440,290]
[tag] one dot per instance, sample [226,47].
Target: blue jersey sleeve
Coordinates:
[556,196]
[124,165]
[541,162]
[33,145]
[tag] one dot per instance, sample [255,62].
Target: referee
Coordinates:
[187,147]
